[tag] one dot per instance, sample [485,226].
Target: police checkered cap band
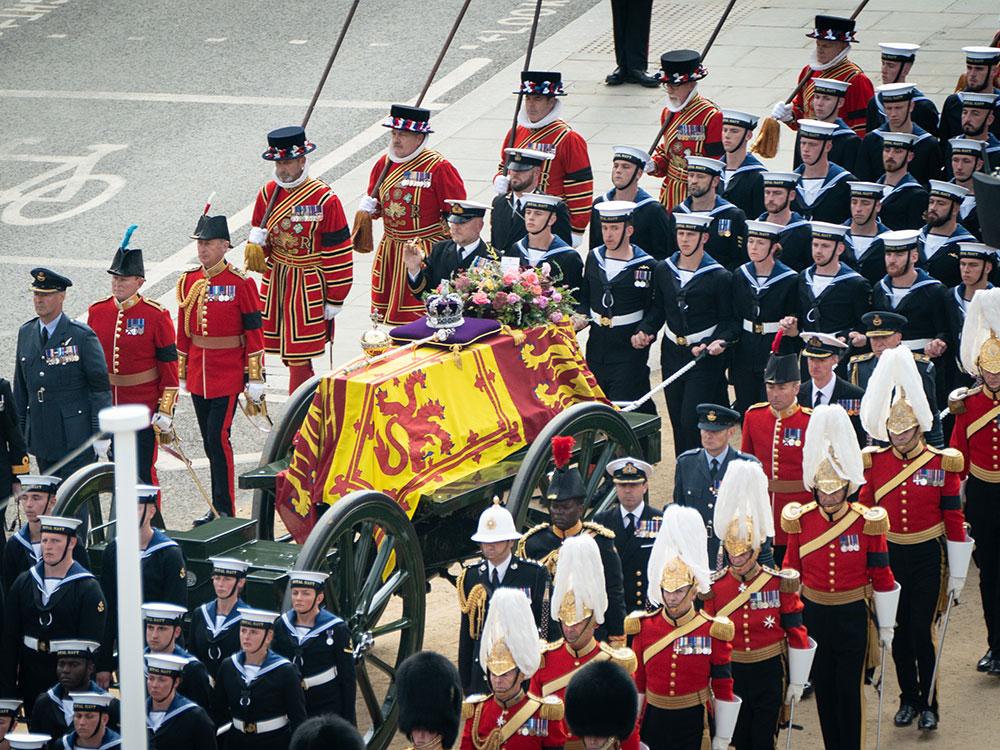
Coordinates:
[898,51]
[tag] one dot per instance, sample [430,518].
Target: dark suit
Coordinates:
[694,487]
[507,225]
[845,394]
[60,390]
[633,550]
[630,20]
[444,261]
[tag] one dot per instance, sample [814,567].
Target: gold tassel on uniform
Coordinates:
[766,143]
[473,605]
[253,258]
[361,235]
[876,521]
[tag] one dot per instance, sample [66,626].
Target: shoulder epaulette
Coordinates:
[552,708]
[867,453]
[789,580]
[722,628]
[790,515]
[623,657]
[876,519]
[689,452]
[520,547]
[956,399]
[921,357]
[552,645]
[806,409]
[470,703]
[951,459]
[153,303]
[237,271]
[860,358]
[760,405]
[632,620]
[101,301]
[598,529]
[716,575]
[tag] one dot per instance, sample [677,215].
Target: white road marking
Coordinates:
[469,46]
[215,39]
[298,41]
[144,96]
[137,39]
[57,36]
[379,44]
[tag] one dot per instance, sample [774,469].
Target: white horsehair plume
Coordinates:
[742,495]
[983,316]
[682,534]
[895,374]
[830,430]
[510,620]
[581,571]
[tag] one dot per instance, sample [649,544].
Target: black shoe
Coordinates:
[210,517]
[615,79]
[928,720]
[640,77]
[995,668]
[906,714]
[986,662]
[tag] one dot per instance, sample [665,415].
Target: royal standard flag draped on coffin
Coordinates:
[421,419]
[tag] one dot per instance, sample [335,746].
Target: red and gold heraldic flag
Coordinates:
[419,420]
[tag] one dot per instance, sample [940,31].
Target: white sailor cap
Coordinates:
[91,701]
[692,222]
[822,230]
[978,99]
[496,524]
[981,55]
[31,741]
[943,189]
[165,664]
[542,202]
[258,618]
[820,345]
[896,92]
[766,229]
[312,579]
[228,566]
[613,211]
[59,524]
[970,146]
[830,86]
[898,140]
[705,165]
[71,647]
[780,179]
[900,240]
[873,190]
[898,51]
[636,156]
[163,613]
[817,129]
[976,251]
[629,470]
[146,493]
[38,483]
[739,119]
[9,706]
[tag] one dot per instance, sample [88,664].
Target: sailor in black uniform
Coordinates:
[55,599]
[796,233]
[904,200]
[980,69]
[616,292]
[173,720]
[976,264]
[822,193]
[91,716]
[257,690]
[926,164]
[967,158]
[524,170]
[9,708]
[649,219]
[742,184]
[864,251]
[897,60]
[828,98]
[940,237]
[163,623]
[215,631]
[318,642]
[727,231]
[541,245]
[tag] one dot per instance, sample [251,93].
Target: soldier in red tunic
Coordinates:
[977,435]
[774,432]
[683,654]
[307,247]
[839,549]
[834,36]
[138,339]
[919,488]
[412,204]
[510,653]
[695,124]
[764,605]
[220,348]
[568,175]
[580,601]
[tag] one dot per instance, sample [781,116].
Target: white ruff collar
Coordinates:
[817,66]
[687,101]
[403,159]
[294,183]
[551,117]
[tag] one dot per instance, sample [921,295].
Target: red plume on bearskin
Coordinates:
[776,344]
[561,449]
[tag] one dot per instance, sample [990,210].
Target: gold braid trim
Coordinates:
[493,741]
[196,294]
[722,628]
[474,605]
[552,708]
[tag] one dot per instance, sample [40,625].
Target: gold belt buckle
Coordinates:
[250,727]
[682,341]
[758,328]
[605,321]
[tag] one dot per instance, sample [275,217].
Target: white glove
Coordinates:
[782,112]
[101,447]
[257,236]
[330,311]
[577,240]
[955,586]
[255,391]
[368,204]
[649,167]
[794,694]
[501,184]
[885,637]
[721,743]
[162,422]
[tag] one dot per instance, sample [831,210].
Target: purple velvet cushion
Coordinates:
[473,329]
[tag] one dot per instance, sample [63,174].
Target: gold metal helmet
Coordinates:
[828,480]
[500,659]
[568,612]
[676,575]
[901,415]
[738,537]
[989,354]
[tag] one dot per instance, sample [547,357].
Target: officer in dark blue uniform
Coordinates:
[215,626]
[319,644]
[61,382]
[699,471]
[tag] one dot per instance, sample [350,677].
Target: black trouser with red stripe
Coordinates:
[982,511]
[761,685]
[215,420]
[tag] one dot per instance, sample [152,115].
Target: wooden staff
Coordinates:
[361,234]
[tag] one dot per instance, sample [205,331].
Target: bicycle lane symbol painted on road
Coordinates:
[58,187]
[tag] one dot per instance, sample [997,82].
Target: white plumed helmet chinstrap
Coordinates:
[510,636]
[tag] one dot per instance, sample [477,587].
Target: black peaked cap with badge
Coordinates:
[714,417]
[883,323]
[48,282]
[430,696]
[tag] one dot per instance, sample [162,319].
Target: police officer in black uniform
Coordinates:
[649,218]
[565,500]
[635,523]
[258,690]
[215,631]
[524,170]
[864,250]
[926,163]
[699,471]
[164,576]
[904,199]
[727,231]
[616,292]
[173,720]
[56,599]
[796,233]
[318,642]
[742,184]
[61,381]
[692,302]
[464,250]
[496,536]
[163,623]
[764,291]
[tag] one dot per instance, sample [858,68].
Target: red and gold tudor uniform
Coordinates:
[568,174]
[527,723]
[308,252]
[412,204]
[695,130]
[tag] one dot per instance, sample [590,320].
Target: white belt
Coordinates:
[319,679]
[616,320]
[35,645]
[750,327]
[916,344]
[691,339]
[259,727]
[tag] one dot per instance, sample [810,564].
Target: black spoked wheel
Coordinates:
[377,584]
[90,491]
[601,434]
[279,446]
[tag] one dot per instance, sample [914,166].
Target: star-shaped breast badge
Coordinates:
[769,621]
